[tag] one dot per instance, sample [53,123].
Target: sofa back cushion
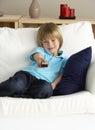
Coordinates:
[77,36]
[16,45]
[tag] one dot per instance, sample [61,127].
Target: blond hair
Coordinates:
[49,30]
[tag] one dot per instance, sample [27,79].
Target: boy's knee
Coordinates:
[17,86]
[41,89]
[46,89]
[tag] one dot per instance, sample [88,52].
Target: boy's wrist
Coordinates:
[53,85]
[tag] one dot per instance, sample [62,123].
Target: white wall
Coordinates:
[49,8]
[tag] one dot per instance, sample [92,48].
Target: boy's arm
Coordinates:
[54,84]
[39,58]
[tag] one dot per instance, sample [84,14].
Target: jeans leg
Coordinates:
[14,85]
[40,89]
[22,84]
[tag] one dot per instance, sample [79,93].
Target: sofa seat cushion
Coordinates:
[78,103]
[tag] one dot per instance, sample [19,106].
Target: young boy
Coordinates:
[40,78]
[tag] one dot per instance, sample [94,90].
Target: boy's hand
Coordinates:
[40,60]
[53,85]
[58,79]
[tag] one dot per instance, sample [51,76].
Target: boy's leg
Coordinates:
[40,89]
[16,85]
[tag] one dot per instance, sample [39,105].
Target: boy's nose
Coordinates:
[50,43]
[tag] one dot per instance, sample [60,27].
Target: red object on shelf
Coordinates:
[66,12]
[62,6]
[72,12]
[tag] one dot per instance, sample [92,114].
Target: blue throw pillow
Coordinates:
[74,74]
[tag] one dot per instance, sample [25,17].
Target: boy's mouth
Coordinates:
[51,48]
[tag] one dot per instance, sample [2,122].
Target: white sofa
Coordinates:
[15,47]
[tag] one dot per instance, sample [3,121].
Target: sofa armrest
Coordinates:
[90,79]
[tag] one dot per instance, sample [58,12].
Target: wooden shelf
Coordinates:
[10,21]
[18,21]
[29,22]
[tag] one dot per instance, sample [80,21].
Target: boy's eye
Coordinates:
[45,41]
[53,40]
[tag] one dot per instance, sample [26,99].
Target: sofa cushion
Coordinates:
[90,79]
[15,48]
[77,36]
[77,103]
[74,74]
[16,45]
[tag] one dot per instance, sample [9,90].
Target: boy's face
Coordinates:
[51,45]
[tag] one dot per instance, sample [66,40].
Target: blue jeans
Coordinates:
[22,84]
